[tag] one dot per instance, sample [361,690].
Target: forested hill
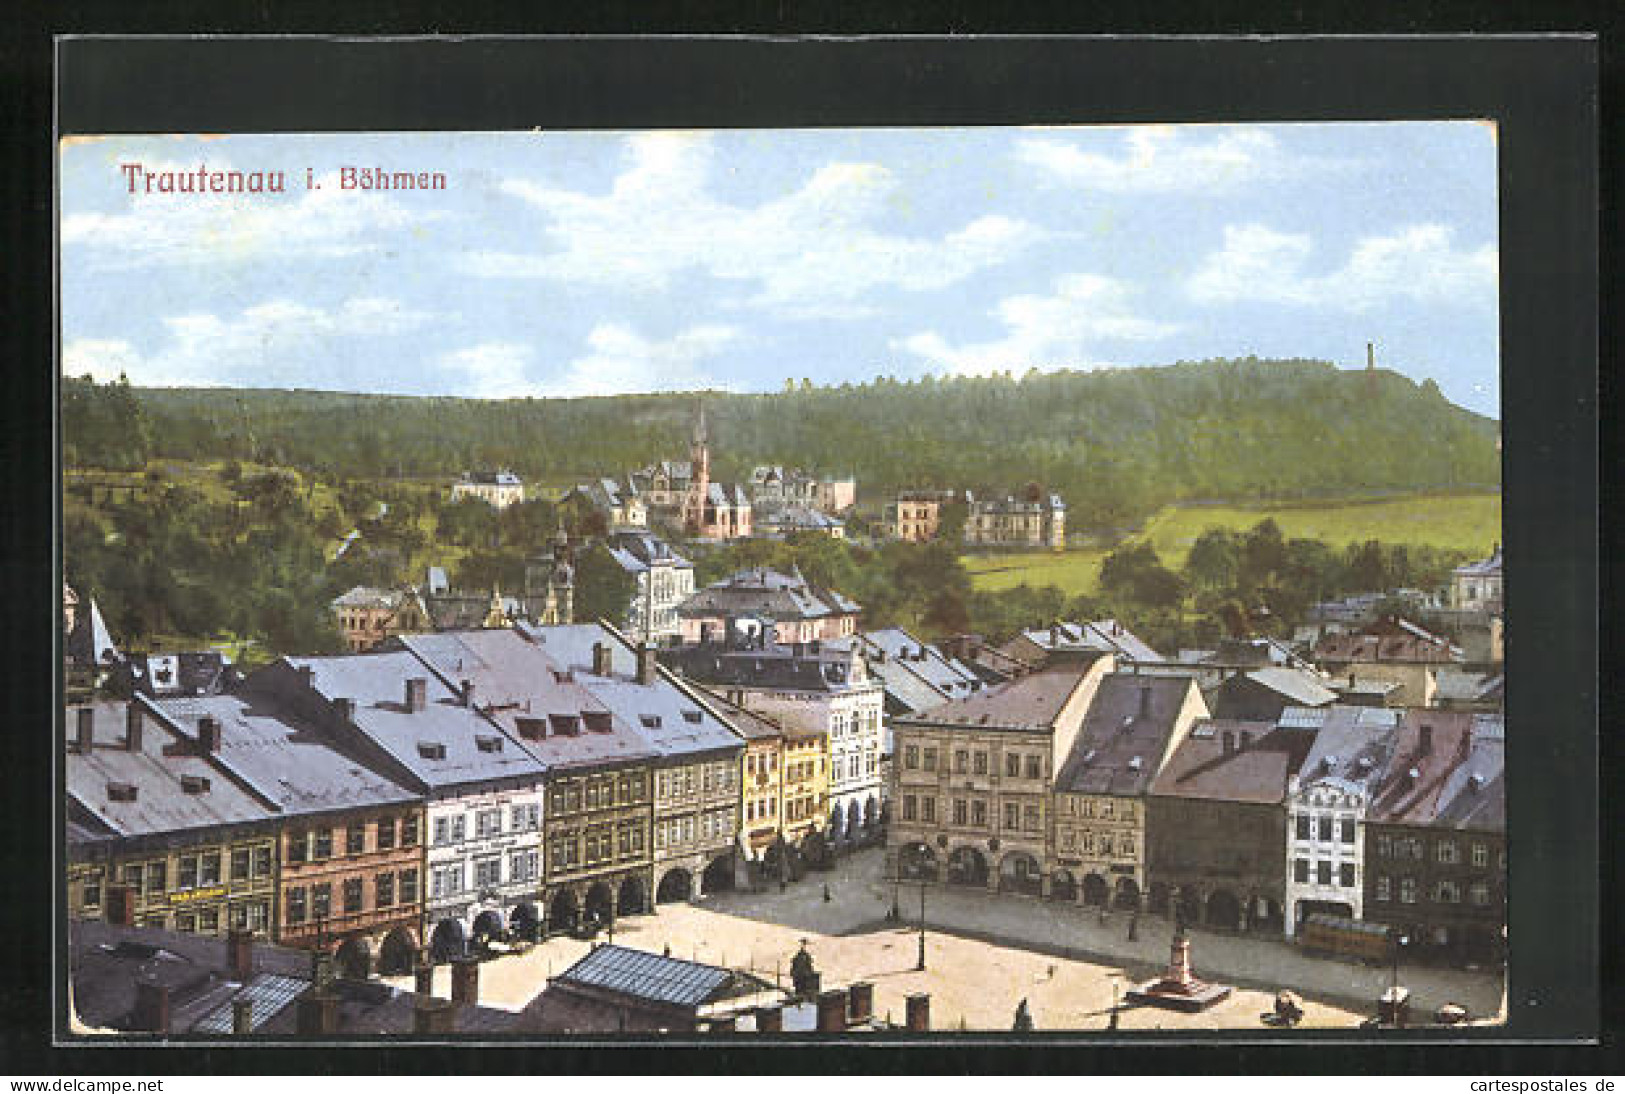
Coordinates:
[1115,443]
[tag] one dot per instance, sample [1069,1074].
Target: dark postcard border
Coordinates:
[1541,92]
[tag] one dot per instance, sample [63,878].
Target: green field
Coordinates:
[1468,521]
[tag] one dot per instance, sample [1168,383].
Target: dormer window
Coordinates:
[195,784]
[488,744]
[598,721]
[564,725]
[693,717]
[650,721]
[121,792]
[432,750]
[531,729]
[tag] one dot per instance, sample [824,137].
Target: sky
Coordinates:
[564,264]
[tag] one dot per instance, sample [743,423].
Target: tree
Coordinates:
[603,589]
[1214,560]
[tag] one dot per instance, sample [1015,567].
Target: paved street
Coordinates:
[1000,950]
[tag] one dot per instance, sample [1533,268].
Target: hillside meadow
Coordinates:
[1466,521]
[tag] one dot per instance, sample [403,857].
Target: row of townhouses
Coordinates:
[1093,780]
[451,787]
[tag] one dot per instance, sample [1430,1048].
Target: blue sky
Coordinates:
[570,264]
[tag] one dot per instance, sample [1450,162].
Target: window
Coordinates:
[930,758]
[1385,847]
[1384,888]
[1346,829]
[979,763]
[352,896]
[1407,890]
[355,839]
[1447,892]
[1107,846]
[1302,826]
[487,823]
[239,864]
[961,811]
[1323,872]
[92,895]
[1029,818]
[1300,870]
[1107,807]
[186,876]
[156,872]
[132,875]
[296,904]
[259,913]
[1480,893]
[321,901]
[459,828]
[1324,829]
[442,831]
[1012,815]
[324,844]
[487,873]
[928,810]
[908,807]
[522,866]
[383,891]
[445,881]
[978,813]
[1012,765]
[526,818]
[1447,852]
[262,860]
[409,886]
[1345,874]
[1035,767]
[208,921]
[1126,845]
[1086,808]
[209,868]
[186,922]
[1127,811]
[962,761]
[1481,855]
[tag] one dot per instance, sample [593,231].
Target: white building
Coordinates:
[665,579]
[498,489]
[1326,804]
[1478,586]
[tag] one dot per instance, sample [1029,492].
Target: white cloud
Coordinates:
[277,343]
[1061,329]
[621,360]
[1420,263]
[814,252]
[495,370]
[1163,159]
[186,228]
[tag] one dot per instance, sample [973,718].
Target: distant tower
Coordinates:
[699,482]
[1371,366]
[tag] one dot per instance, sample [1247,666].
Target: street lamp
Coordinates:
[1399,943]
[920,966]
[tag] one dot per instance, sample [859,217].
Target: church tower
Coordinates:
[699,482]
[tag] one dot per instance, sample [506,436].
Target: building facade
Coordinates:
[974,779]
[1131,728]
[1479,586]
[1035,519]
[663,581]
[498,489]
[367,617]
[797,609]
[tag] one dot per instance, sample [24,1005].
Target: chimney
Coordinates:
[1246,739]
[242,1015]
[1424,743]
[770,1019]
[132,727]
[85,728]
[465,981]
[344,710]
[603,660]
[1145,700]
[861,1001]
[417,693]
[240,954]
[646,664]
[317,1014]
[832,1011]
[307,677]
[919,1013]
[151,1007]
[1229,740]
[1371,356]
[208,734]
[467,691]
[431,1015]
